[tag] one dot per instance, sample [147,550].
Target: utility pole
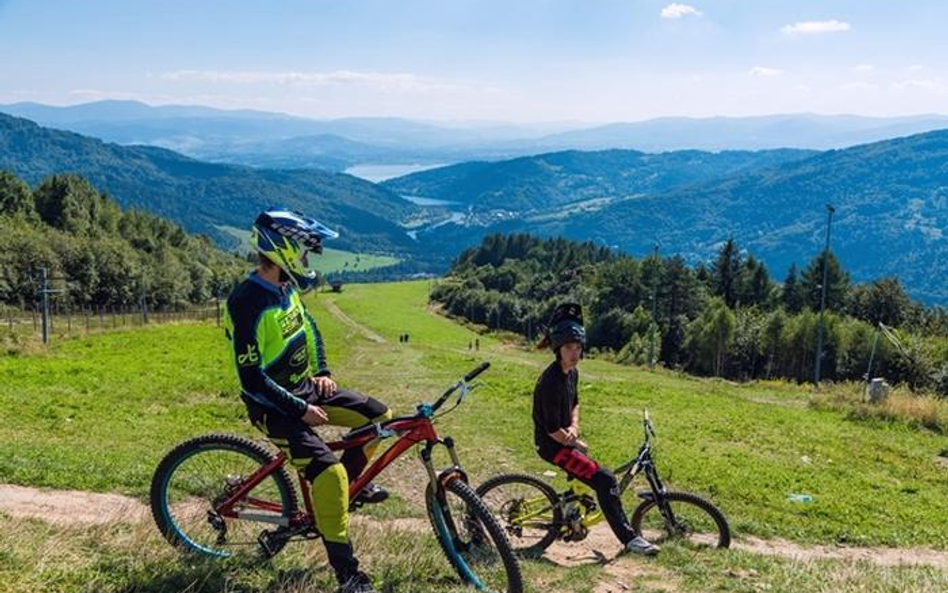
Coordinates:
[651,339]
[45,292]
[819,334]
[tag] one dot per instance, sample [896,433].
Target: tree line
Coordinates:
[101,255]
[727,317]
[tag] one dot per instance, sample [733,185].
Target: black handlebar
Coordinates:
[480,369]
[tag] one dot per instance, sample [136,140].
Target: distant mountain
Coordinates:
[267,139]
[891,219]
[556,179]
[240,136]
[204,197]
[744,133]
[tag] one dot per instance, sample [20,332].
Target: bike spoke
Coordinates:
[475,547]
[524,513]
[204,480]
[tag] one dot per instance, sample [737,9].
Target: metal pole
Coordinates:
[819,339]
[45,305]
[651,339]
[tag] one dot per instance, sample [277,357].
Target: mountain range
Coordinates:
[267,139]
[890,199]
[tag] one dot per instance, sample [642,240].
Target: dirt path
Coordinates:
[337,312]
[77,508]
[70,507]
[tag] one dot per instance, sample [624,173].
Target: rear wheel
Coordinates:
[526,508]
[471,539]
[683,517]
[198,475]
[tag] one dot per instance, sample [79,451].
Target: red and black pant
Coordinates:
[599,478]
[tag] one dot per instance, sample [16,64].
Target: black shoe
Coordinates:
[371,494]
[357,583]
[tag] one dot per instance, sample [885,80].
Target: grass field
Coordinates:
[98,412]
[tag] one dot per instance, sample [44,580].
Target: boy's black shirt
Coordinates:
[554,397]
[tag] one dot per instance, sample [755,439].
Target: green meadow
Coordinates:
[97,412]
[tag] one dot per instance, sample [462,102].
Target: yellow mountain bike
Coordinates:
[534,515]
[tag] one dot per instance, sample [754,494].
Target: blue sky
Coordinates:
[512,60]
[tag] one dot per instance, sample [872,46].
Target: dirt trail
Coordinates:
[70,507]
[337,312]
[621,573]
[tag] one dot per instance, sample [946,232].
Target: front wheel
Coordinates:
[526,507]
[472,539]
[681,516]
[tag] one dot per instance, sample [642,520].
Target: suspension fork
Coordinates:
[658,495]
[440,479]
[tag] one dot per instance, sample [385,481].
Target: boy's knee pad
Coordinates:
[330,489]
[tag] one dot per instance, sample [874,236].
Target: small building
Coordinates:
[336,285]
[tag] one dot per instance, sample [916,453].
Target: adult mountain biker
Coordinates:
[286,383]
[556,423]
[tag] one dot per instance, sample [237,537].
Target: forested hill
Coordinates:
[891,201]
[98,254]
[554,179]
[891,219]
[204,196]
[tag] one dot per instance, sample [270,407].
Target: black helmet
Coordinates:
[566,325]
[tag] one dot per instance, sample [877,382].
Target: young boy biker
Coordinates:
[556,423]
[287,386]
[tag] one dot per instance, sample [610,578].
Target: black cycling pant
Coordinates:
[589,472]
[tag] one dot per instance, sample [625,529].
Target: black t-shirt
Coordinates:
[554,398]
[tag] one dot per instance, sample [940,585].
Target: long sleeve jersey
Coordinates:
[276,345]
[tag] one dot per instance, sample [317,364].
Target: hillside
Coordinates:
[550,180]
[891,219]
[202,196]
[890,197]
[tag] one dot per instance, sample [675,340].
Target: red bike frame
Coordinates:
[417,429]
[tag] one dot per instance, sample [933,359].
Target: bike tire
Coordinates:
[506,506]
[460,519]
[712,526]
[187,483]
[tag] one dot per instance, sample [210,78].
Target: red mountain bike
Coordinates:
[211,495]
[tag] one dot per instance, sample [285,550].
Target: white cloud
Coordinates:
[865,68]
[763,71]
[816,27]
[923,84]
[676,11]
[858,86]
[385,81]
[915,67]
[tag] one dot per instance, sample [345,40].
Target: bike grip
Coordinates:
[480,369]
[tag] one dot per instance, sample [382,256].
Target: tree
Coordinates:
[791,294]
[725,273]
[67,202]
[837,283]
[710,336]
[883,301]
[15,197]
[754,285]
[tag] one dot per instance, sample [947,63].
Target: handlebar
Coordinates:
[462,384]
[480,369]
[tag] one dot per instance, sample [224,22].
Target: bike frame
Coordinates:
[414,430]
[642,463]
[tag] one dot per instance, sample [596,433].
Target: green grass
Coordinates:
[97,413]
[334,260]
